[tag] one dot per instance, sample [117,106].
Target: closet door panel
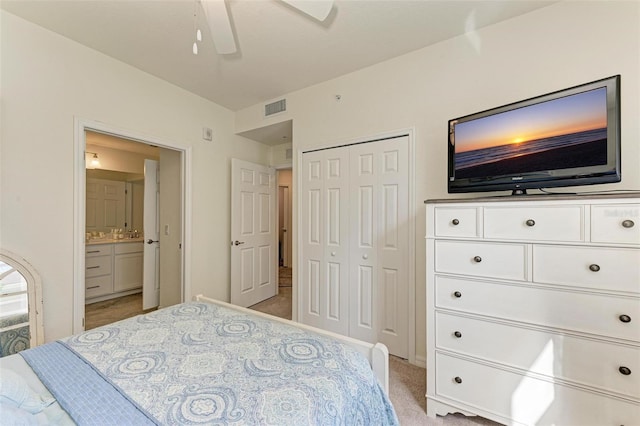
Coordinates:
[379,244]
[312,274]
[355,241]
[334,294]
[363,223]
[393,249]
[325,243]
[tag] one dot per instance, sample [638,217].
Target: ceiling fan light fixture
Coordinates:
[218,20]
[195,48]
[317,9]
[217,17]
[198,35]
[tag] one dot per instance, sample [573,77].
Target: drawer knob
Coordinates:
[457,380]
[477,259]
[624,371]
[458,295]
[627,223]
[594,268]
[624,318]
[457,334]
[530,222]
[456,222]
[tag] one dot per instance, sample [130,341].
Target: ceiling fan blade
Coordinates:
[318,9]
[219,26]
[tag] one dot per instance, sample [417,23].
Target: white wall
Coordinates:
[562,45]
[279,155]
[47,80]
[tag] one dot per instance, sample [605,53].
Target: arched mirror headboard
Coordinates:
[21,324]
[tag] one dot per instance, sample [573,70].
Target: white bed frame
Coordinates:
[377,354]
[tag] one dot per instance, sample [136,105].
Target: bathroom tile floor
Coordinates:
[101,313]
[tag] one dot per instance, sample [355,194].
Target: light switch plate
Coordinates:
[207,134]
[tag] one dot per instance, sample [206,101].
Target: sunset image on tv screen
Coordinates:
[561,133]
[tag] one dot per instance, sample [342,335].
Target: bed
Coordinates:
[201,362]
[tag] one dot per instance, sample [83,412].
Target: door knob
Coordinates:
[365,256]
[237,243]
[333,253]
[150,241]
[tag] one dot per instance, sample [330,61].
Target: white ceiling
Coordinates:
[280,49]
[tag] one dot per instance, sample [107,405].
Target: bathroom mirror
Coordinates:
[21,324]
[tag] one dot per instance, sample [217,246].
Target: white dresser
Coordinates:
[533,309]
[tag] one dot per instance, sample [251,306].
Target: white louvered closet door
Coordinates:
[325,268]
[355,253]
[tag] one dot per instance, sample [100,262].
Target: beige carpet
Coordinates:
[112,310]
[284,276]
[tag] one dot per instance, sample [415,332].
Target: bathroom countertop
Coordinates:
[112,241]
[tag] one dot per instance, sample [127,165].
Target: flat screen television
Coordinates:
[566,138]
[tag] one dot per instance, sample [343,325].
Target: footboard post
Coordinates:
[380,365]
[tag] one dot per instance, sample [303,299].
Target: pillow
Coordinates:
[15,391]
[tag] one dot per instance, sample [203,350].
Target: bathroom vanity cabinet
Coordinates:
[112,269]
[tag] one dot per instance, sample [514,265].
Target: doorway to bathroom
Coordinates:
[131,251]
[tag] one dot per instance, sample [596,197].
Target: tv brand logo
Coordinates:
[622,213]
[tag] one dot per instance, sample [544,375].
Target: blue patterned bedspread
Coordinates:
[199,363]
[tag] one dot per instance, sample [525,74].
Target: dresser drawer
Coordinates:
[98,286]
[456,221]
[99,265]
[495,260]
[616,224]
[546,353]
[589,267]
[527,400]
[563,223]
[98,250]
[584,312]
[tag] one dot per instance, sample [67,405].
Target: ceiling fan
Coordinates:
[220,25]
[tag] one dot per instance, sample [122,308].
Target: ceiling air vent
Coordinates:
[275,107]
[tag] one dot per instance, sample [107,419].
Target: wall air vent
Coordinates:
[275,107]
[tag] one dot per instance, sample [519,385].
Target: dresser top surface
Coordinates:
[538,197]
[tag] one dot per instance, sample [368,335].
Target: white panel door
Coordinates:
[113,204]
[170,226]
[151,257]
[355,241]
[325,270]
[105,205]
[253,233]
[379,243]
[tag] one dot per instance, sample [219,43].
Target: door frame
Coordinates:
[286,211]
[291,225]
[79,200]
[297,221]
